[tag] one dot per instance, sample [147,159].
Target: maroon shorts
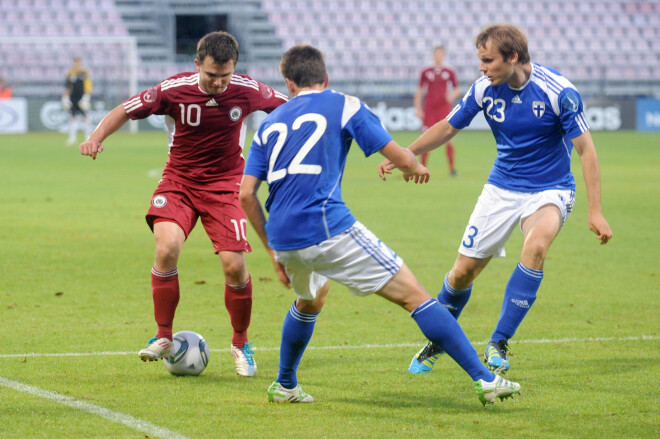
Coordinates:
[220,212]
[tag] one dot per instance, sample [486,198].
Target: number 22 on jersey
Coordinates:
[296,166]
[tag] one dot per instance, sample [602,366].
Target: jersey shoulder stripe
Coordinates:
[245,82]
[480,86]
[192,79]
[281,95]
[552,83]
[351,107]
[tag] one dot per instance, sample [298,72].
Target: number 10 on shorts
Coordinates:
[240,226]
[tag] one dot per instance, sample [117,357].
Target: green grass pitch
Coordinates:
[75,307]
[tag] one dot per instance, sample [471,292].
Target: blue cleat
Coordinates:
[425,359]
[495,356]
[244,359]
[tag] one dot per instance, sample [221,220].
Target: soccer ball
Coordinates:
[191,354]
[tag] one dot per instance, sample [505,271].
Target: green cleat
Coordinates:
[498,388]
[277,393]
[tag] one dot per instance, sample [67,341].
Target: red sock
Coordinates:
[238,300]
[450,155]
[165,292]
[425,158]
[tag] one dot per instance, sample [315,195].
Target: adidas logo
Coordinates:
[449,307]
[520,303]
[212,103]
[515,100]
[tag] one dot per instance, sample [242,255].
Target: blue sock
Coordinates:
[297,330]
[453,299]
[439,326]
[519,296]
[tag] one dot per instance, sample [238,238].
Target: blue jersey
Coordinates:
[533,127]
[300,149]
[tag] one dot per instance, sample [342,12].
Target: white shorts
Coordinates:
[498,211]
[355,258]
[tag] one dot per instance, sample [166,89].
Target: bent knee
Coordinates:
[167,250]
[462,277]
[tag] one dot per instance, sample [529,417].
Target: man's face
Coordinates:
[214,78]
[493,64]
[439,56]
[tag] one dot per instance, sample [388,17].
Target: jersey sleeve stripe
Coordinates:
[132,105]
[456,108]
[582,122]
[132,101]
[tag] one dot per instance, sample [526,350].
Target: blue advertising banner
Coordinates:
[648,114]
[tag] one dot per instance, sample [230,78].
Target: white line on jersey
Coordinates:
[178,82]
[239,80]
[134,103]
[280,95]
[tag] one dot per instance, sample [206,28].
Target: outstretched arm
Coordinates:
[584,145]
[110,123]
[437,135]
[255,214]
[404,160]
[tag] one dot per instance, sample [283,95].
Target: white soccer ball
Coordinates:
[191,354]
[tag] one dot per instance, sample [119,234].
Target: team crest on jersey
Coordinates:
[538,107]
[235,113]
[150,95]
[267,92]
[159,201]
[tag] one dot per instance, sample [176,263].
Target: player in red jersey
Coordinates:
[204,112]
[433,89]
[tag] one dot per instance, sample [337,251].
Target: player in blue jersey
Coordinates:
[536,116]
[300,149]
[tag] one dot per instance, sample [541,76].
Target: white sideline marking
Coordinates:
[364,346]
[129,421]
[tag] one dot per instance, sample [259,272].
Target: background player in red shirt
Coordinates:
[433,89]
[204,112]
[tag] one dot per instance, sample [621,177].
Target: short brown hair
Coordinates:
[304,65]
[221,46]
[508,39]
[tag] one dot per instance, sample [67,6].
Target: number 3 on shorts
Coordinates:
[469,241]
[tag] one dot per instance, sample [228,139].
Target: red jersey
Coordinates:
[206,132]
[436,80]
